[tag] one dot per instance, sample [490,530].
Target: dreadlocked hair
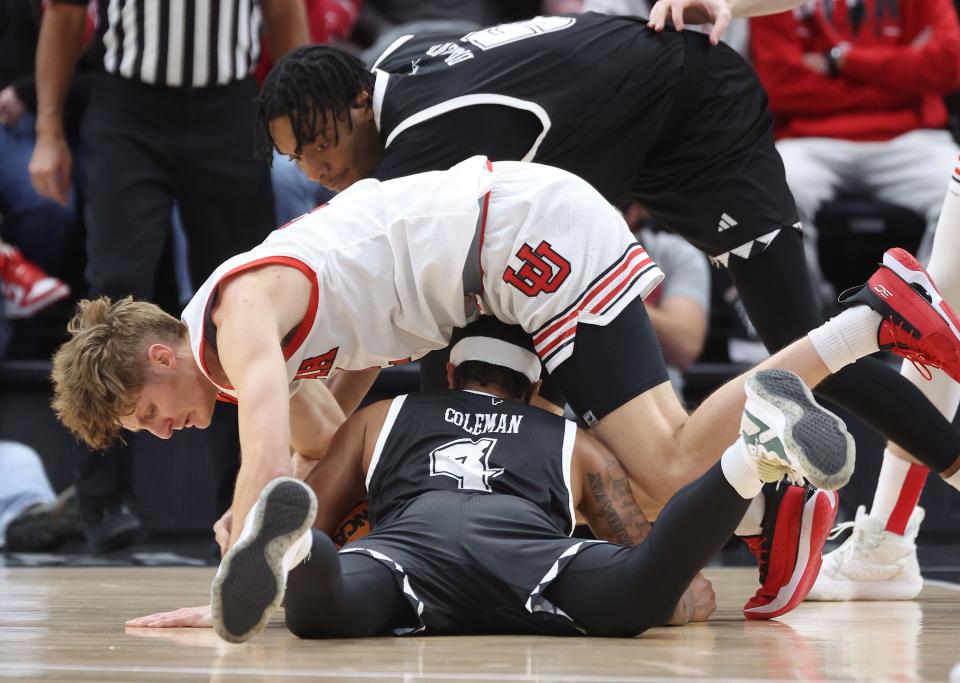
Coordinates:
[308,85]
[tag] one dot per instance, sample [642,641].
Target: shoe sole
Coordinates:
[819,513]
[864,591]
[908,269]
[814,437]
[251,581]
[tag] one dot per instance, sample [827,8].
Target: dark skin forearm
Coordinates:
[286,24]
[610,508]
[59,45]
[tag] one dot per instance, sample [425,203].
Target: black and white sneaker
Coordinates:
[252,577]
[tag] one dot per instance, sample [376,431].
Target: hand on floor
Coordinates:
[185,617]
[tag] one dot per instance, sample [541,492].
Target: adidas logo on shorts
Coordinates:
[726,222]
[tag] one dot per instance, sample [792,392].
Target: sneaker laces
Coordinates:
[771,468]
[914,350]
[860,538]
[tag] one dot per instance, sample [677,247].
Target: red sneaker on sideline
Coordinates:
[26,288]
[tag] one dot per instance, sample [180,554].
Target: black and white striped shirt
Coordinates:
[180,43]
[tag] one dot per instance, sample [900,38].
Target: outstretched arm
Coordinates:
[603,495]
[256,311]
[716,12]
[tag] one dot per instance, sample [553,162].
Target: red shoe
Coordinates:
[917,323]
[26,288]
[796,524]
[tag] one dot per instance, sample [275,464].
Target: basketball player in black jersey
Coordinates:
[472,495]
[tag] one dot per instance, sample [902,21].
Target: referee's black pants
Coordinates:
[146,148]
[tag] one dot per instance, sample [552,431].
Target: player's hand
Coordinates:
[185,617]
[221,531]
[12,107]
[697,603]
[682,12]
[50,168]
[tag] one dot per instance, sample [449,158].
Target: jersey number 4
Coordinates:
[467,462]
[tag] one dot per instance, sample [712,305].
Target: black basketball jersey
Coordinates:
[471,442]
[588,93]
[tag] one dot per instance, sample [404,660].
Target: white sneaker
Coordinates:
[873,564]
[791,436]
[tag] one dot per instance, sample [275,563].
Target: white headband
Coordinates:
[497,352]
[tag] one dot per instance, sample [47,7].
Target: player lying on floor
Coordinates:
[472,495]
[385,271]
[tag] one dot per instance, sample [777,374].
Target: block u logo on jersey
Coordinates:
[543,270]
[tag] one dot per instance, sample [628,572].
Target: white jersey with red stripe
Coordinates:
[386,261]
[555,253]
[389,259]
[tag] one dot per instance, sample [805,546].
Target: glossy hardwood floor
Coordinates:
[67,624]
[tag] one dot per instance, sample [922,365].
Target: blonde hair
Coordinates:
[99,372]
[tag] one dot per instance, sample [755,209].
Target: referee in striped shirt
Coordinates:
[171,120]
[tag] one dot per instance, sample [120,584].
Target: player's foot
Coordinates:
[251,580]
[873,564]
[917,323]
[26,288]
[796,522]
[790,436]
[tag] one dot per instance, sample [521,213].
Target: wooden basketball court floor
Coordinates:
[67,624]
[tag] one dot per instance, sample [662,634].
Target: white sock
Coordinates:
[740,470]
[752,522]
[299,551]
[893,472]
[847,337]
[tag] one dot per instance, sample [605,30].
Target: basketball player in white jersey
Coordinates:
[382,275]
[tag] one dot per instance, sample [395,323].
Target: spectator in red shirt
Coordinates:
[856,89]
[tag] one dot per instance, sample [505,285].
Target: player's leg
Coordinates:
[879,559]
[816,168]
[729,141]
[771,285]
[349,595]
[278,554]
[660,447]
[614,591]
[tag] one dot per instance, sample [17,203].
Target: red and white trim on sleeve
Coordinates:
[302,330]
[633,274]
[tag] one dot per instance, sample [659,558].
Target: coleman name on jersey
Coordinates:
[484,423]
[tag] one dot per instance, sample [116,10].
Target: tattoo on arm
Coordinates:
[612,511]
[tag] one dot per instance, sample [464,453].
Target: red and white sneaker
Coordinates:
[917,323]
[796,523]
[26,288]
